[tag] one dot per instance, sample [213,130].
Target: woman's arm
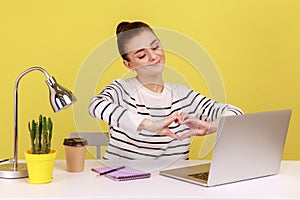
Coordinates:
[202,117]
[110,106]
[199,127]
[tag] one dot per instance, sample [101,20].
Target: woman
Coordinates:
[149,118]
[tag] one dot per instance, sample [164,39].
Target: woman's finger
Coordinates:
[170,134]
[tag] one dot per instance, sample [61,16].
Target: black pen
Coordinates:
[110,170]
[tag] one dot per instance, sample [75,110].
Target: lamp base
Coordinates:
[8,171]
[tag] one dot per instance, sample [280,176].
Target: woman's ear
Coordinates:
[128,64]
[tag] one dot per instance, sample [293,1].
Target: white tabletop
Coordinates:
[87,185]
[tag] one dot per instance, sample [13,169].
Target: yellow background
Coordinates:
[255,45]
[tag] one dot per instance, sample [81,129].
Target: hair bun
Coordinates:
[123,26]
[126,26]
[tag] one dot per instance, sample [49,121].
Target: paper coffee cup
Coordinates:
[75,149]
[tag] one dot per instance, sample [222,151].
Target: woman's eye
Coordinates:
[143,56]
[156,47]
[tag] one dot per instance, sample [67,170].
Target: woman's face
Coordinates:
[145,54]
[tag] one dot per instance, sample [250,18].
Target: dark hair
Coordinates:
[126,30]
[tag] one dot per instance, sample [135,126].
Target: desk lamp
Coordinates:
[60,98]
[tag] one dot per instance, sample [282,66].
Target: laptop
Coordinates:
[247,146]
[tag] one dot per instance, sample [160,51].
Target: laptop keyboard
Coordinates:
[202,175]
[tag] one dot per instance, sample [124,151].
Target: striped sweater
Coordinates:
[125,103]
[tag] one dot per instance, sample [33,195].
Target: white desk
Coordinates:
[87,185]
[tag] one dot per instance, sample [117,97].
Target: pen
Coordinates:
[4,160]
[8,159]
[110,170]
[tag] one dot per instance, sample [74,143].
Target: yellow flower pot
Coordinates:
[40,166]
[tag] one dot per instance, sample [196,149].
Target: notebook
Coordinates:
[123,174]
[247,146]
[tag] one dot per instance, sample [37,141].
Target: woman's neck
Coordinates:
[152,84]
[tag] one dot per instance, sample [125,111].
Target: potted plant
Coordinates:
[40,158]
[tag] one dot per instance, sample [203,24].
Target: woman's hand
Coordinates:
[197,127]
[161,126]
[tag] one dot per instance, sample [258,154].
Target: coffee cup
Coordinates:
[75,150]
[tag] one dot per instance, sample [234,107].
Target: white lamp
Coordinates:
[60,98]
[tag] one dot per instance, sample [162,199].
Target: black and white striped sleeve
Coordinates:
[210,110]
[108,107]
[233,110]
[207,109]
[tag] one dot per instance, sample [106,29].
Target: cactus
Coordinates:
[32,135]
[41,135]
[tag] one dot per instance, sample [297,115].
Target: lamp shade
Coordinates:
[60,97]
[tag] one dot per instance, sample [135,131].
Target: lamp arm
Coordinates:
[15,160]
[29,70]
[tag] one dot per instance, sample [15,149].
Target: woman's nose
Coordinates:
[152,55]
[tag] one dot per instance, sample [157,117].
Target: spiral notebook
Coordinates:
[124,174]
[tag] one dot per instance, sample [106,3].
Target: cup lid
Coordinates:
[75,142]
